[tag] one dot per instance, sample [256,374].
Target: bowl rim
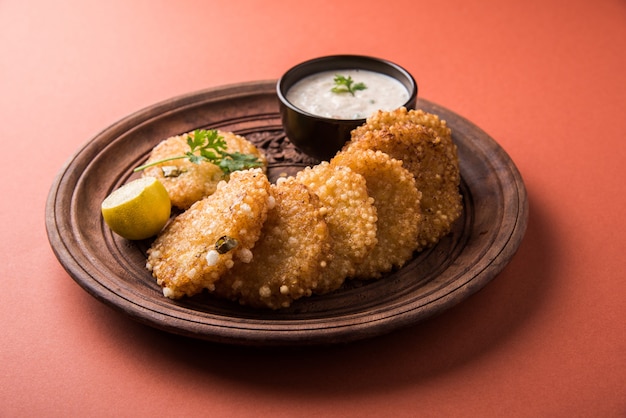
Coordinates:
[314,63]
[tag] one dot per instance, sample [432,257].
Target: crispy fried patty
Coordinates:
[349,212]
[198,246]
[414,138]
[397,203]
[188,182]
[289,259]
[382,119]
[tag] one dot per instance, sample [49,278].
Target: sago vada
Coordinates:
[291,257]
[414,137]
[397,203]
[349,212]
[187,182]
[202,243]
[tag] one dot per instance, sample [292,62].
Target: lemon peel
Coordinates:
[138,209]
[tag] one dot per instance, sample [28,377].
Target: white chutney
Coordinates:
[313,94]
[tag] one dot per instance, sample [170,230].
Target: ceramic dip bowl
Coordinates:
[322,100]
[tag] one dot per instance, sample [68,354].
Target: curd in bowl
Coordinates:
[318,120]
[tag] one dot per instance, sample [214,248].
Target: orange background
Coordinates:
[545,78]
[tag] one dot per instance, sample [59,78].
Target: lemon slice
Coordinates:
[137,210]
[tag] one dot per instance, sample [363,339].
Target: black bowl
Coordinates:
[318,136]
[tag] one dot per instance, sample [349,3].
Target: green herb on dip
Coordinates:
[346,85]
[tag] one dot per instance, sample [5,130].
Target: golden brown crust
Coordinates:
[382,119]
[184,259]
[188,182]
[432,159]
[397,203]
[290,257]
[349,212]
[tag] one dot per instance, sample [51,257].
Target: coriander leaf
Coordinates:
[209,155]
[359,86]
[196,159]
[345,85]
[238,161]
[195,141]
[208,145]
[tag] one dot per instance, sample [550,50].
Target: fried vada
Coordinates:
[187,182]
[424,144]
[397,203]
[349,212]
[291,257]
[202,243]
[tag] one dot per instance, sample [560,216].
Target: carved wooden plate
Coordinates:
[112,269]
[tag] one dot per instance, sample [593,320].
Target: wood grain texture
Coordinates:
[112,269]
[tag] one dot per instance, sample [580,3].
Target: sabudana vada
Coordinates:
[349,212]
[424,145]
[289,259]
[202,243]
[397,203]
[188,182]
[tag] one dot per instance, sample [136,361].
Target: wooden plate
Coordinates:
[112,269]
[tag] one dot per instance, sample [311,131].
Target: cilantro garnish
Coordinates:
[346,85]
[208,145]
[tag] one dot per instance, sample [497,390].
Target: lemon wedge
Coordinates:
[137,210]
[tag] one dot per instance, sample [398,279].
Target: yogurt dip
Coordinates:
[313,94]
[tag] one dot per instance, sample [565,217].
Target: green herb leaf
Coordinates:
[208,145]
[346,85]
[196,159]
[238,161]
